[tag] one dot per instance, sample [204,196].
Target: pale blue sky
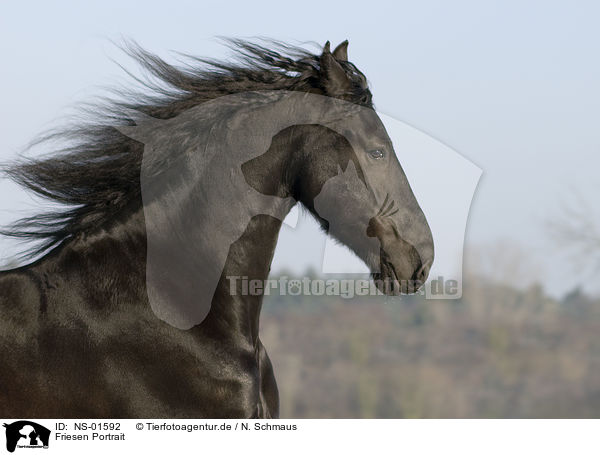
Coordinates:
[512,85]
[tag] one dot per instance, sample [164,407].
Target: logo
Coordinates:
[26,434]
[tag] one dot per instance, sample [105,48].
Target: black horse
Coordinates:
[96,327]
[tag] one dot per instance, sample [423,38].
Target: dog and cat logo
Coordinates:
[24,434]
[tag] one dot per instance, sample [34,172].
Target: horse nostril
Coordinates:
[423,272]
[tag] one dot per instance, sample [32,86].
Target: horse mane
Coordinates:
[95,174]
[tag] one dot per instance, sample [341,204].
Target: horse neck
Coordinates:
[111,265]
[249,258]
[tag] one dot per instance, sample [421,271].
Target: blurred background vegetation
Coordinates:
[504,350]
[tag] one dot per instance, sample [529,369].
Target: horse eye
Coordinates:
[376,154]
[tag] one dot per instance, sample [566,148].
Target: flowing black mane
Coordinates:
[95,174]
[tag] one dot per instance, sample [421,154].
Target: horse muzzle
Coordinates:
[402,269]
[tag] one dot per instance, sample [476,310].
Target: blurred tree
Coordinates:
[576,229]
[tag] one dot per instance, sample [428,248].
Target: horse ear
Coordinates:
[334,79]
[341,51]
